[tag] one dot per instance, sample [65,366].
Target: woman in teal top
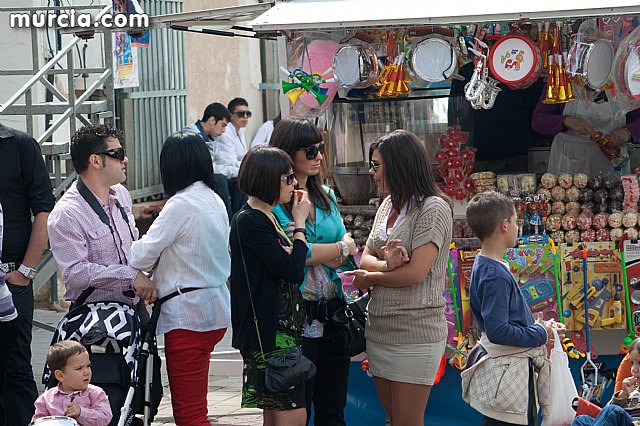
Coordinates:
[329,245]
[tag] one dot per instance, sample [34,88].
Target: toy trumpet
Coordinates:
[460,355]
[304,82]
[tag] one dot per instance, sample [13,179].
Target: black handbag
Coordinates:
[345,328]
[288,369]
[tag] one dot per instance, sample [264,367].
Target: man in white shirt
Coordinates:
[232,146]
[215,119]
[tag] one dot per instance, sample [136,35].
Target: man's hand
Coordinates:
[628,385]
[16,278]
[620,137]
[145,289]
[73,411]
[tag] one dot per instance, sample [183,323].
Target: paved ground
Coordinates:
[225,379]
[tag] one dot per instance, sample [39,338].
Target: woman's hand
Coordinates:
[579,125]
[620,137]
[350,243]
[395,254]
[361,278]
[301,208]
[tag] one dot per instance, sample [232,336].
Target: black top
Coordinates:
[504,131]
[25,189]
[267,264]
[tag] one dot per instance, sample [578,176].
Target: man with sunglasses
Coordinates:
[25,190]
[214,121]
[91,230]
[233,146]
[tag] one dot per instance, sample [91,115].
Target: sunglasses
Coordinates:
[312,151]
[289,178]
[115,153]
[374,166]
[243,113]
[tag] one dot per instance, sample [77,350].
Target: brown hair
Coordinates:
[407,169]
[486,210]
[60,352]
[261,171]
[290,135]
[635,345]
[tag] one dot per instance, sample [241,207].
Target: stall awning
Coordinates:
[219,21]
[331,14]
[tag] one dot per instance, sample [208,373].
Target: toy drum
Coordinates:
[433,60]
[54,421]
[591,60]
[516,61]
[355,66]
[627,72]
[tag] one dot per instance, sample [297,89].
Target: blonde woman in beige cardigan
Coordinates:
[404,263]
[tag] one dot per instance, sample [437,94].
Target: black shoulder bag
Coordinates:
[287,370]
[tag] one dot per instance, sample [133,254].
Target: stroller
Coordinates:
[123,355]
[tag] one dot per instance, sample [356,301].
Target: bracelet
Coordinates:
[304,231]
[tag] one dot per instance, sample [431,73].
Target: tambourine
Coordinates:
[355,66]
[433,60]
[627,71]
[54,421]
[516,61]
[591,60]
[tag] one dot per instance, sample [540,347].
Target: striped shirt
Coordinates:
[84,247]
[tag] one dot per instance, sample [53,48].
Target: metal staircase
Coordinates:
[61,110]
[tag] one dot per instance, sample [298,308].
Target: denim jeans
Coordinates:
[611,415]
[20,387]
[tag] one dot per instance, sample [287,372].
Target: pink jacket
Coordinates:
[93,402]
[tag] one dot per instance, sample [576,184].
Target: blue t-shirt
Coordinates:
[499,307]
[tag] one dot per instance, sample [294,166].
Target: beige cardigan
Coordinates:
[415,313]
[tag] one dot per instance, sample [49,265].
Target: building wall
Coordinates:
[219,69]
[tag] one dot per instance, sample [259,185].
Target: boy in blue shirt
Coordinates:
[511,336]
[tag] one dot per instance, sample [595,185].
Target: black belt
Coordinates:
[322,309]
[10,266]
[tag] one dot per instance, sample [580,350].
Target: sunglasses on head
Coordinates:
[243,113]
[312,151]
[115,153]
[289,178]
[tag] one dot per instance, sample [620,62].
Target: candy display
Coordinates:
[573,207]
[553,222]
[548,180]
[565,180]
[484,181]
[557,235]
[572,236]
[617,193]
[568,221]
[558,207]
[602,207]
[600,220]
[615,220]
[616,233]
[558,193]
[544,192]
[595,182]
[580,180]
[573,193]
[601,196]
[583,221]
[602,234]
[629,219]
[586,194]
[632,233]
[587,235]
[611,181]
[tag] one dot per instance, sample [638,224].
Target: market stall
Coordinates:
[363,69]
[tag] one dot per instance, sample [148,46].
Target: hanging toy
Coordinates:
[626,342]
[302,82]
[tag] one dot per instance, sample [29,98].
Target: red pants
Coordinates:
[187,354]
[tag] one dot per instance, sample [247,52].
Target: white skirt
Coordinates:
[407,363]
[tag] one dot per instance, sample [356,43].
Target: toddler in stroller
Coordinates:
[123,356]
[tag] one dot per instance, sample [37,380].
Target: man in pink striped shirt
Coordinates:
[92,227]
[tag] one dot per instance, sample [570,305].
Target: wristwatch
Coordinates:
[27,272]
[344,247]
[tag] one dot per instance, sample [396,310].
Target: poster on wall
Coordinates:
[125,62]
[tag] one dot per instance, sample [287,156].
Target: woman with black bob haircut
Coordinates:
[275,267]
[405,262]
[329,247]
[189,242]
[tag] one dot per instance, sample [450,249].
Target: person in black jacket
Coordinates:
[274,265]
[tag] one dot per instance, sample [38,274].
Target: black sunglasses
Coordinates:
[289,178]
[312,151]
[374,166]
[243,113]
[115,153]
